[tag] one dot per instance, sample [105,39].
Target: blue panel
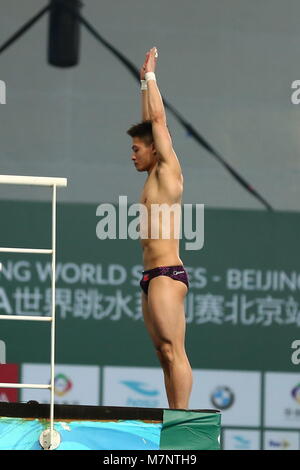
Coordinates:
[23,434]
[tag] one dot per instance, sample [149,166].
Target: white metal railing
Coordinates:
[24,250]
[54,183]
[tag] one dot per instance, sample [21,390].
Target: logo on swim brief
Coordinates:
[178,272]
[146,277]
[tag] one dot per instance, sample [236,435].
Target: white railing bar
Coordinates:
[42,386]
[52,397]
[33,180]
[39,181]
[25,250]
[25,317]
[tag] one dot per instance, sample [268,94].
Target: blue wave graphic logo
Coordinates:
[140,387]
[241,442]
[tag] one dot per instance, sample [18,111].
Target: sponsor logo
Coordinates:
[62,385]
[241,442]
[134,386]
[239,439]
[73,384]
[279,444]
[140,387]
[222,397]
[296,393]
[148,395]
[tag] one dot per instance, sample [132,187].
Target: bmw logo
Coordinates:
[222,397]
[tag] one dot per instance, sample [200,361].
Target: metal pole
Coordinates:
[33,180]
[53,312]
[25,250]
[24,317]
[37,386]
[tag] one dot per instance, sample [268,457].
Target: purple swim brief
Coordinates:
[174,272]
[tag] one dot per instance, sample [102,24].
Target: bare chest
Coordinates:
[150,193]
[155,192]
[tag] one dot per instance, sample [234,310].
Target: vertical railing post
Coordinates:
[53,297]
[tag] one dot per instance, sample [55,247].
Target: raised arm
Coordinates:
[157,115]
[144,94]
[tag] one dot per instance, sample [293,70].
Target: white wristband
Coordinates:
[150,76]
[144,85]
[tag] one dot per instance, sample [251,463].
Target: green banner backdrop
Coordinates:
[242,309]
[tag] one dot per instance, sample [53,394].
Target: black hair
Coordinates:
[143,130]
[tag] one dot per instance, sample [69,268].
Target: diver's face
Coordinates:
[143,155]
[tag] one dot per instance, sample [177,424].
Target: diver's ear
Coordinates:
[153,148]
